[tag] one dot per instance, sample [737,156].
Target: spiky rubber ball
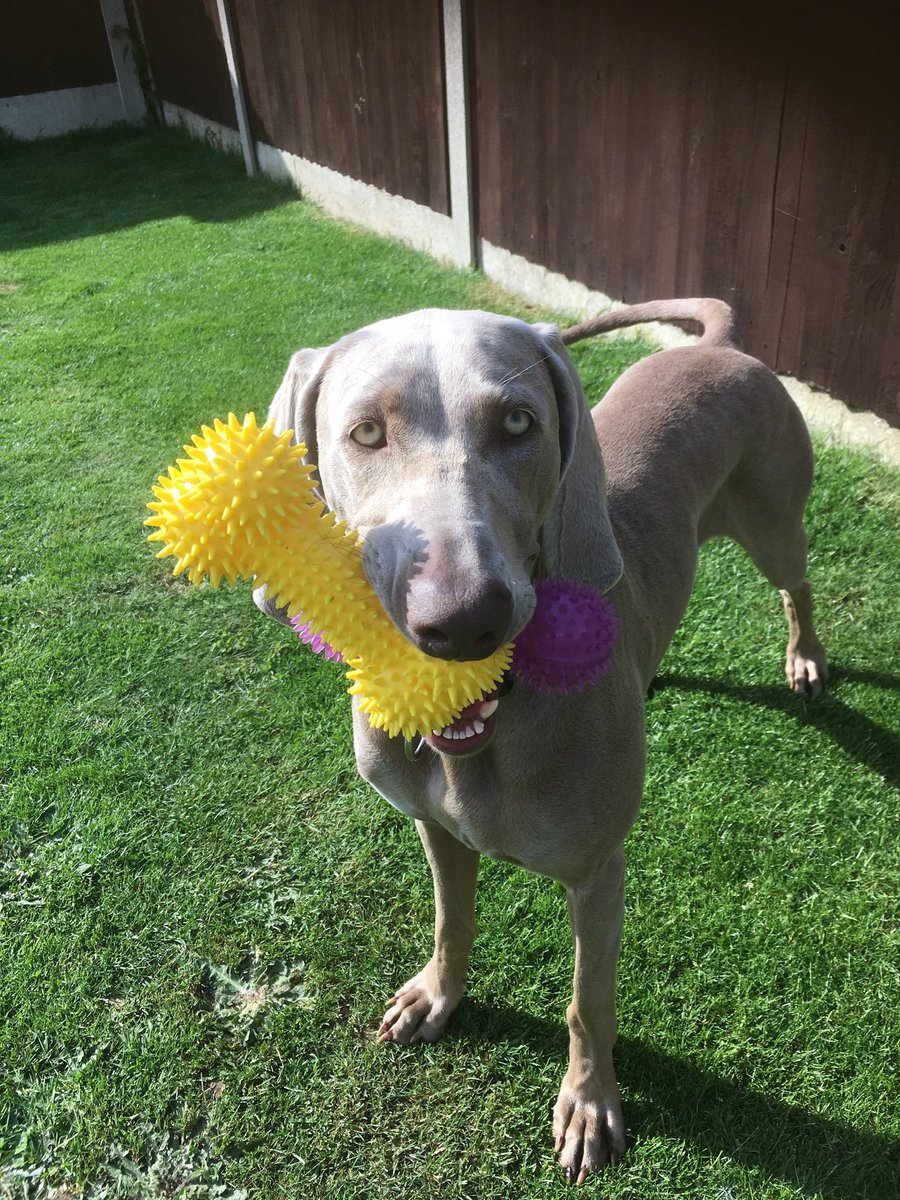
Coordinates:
[241,506]
[569,642]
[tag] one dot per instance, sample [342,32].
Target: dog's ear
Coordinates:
[294,407]
[294,404]
[579,536]
[570,400]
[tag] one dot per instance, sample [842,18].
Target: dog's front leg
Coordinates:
[587,1119]
[419,1010]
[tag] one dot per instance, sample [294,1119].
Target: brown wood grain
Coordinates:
[749,152]
[352,85]
[46,45]
[184,45]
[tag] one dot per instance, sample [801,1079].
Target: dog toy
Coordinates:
[242,505]
[315,641]
[569,641]
[567,644]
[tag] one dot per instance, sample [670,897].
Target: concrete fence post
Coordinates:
[121,49]
[459,133]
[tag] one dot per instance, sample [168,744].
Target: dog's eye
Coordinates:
[368,433]
[517,422]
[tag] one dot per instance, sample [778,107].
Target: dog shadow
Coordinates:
[672,1097]
[675,1098]
[875,746]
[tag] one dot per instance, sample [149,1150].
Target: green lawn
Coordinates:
[203,909]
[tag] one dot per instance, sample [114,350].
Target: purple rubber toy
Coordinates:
[569,641]
[315,641]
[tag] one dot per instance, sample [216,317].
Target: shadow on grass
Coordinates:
[863,739]
[676,1099]
[91,183]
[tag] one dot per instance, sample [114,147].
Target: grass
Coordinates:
[202,907]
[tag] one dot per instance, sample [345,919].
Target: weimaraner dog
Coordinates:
[460,444]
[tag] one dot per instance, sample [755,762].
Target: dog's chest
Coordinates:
[505,823]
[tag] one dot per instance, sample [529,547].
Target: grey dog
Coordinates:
[460,444]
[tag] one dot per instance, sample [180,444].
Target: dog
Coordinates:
[461,446]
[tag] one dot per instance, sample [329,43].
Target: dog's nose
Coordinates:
[463,632]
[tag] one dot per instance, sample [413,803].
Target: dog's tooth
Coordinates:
[488,709]
[479,726]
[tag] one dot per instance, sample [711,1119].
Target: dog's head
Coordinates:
[453,441]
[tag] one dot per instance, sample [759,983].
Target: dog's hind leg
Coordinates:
[762,508]
[419,1011]
[779,549]
[806,666]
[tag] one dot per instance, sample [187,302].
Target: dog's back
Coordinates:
[700,441]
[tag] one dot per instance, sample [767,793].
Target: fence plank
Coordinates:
[45,47]
[658,150]
[352,85]
[841,326]
[187,57]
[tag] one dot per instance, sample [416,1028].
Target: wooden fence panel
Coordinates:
[661,150]
[355,85]
[841,318]
[184,44]
[625,148]
[47,45]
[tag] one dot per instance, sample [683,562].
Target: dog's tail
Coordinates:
[715,316]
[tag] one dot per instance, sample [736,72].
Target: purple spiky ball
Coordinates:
[569,642]
[315,641]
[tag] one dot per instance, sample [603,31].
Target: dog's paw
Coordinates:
[806,672]
[588,1128]
[420,1010]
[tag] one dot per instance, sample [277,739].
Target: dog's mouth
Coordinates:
[471,731]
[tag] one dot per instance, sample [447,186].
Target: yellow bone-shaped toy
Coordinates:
[241,505]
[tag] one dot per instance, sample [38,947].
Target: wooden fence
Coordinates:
[46,45]
[752,154]
[68,64]
[747,151]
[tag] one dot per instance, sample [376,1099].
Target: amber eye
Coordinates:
[517,422]
[368,433]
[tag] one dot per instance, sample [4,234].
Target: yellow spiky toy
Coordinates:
[241,505]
